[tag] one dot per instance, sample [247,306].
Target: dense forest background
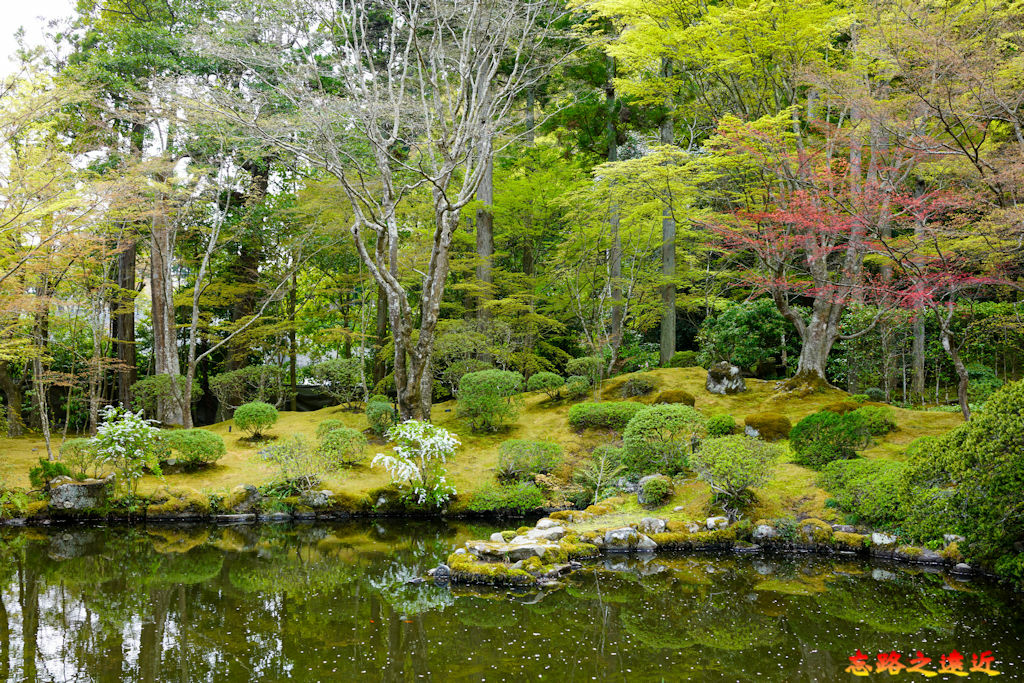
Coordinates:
[207,202]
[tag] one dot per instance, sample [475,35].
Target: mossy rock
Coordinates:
[178,502]
[508,535]
[769,426]
[815,530]
[37,508]
[675,396]
[842,407]
[718,539]
[845,540]
[952,553]
[466,569]
[242,499]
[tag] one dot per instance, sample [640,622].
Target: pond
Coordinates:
[325,602]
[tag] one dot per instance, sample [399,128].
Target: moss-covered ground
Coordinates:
[792,491]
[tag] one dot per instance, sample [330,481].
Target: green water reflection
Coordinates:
[331,602]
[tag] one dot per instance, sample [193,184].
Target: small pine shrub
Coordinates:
[590,367]
[732,465]
[659,438]
[875,394]
[522,459]
[255,418]
[195,448]
[577,387]
[880,419]
[548,382]
[605,415]
[820,438]
[655,491]
[637,386]
[721,425]
[518,498]
[328,425]
[380,415]
[769,426]
[865,488]
[683,359]
[489,399]
[42,474]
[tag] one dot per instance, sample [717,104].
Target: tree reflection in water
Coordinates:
[318,602]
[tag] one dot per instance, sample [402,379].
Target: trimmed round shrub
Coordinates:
[578,386]
[342,447]
[769,426]
[842,407]
[659,438]
[675,396]
[683,359]
[875,394]
[518,498]
[866,488]
[489,399]
[721,425]
[255,418]
[522,459]
[731,465]
[195,448]
[880,419]
[548,382]
[328,425]
[820,438]
[380,415]
[637,386]
[605,415]
[590,367]
[655,491]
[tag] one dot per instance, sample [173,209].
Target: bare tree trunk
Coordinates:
[485,238]
[953,351]
[615,250]
[917,381]
[292,350]
[379,369]
[668,250]
[165,341]
[122,322]
[12,393]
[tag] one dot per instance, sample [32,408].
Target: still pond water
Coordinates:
[332,603]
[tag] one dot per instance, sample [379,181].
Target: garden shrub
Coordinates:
[342,447]
[658,439]
[489,399]
[521,459]
[721,425]
[195,448]
[267,383]
[577,386]
[300,466]
[453,373]
[596,478]
[548,382]
[327,425]
[983,382]
[655,491]
[341,378]
[865,488]
[518,498]
[769,426]
[637,386]
[380,415]
[255,418]
[149,392]
[80,457]
[880,419]
[42,474]
[128,444]
[675,396]
[683,359]
[820,438]
[418,466]
[732,465]
[605,415]
[590,367]
[875,394]
[860,398]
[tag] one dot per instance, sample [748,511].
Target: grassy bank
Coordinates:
[792,490]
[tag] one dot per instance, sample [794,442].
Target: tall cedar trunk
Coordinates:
[917,381]
[668,250]
[122,321]
[485,238]
[245,270]
[292,348]
[615,250]
[529,265]
[170,410]
[12,395]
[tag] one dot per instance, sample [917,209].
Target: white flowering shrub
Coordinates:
[127,443]
[421,451]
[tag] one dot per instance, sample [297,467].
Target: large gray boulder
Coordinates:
[626,540]
[651,525]
[724,378]
[80,496]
